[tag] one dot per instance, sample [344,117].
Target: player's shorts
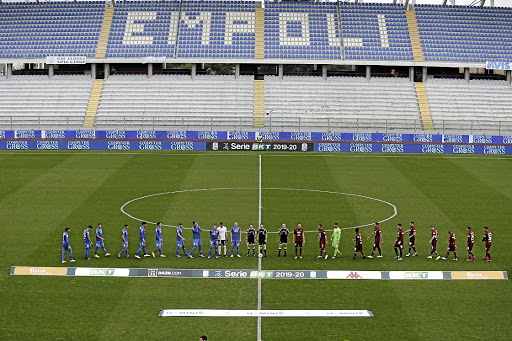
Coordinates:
[358,248]
[158,244]
[65,247]
[87,245]
[451,248]
[283,240]
[250,240]
[399,244]
[470,247]
[142,243]
[235,243]
[262,242]
[335,242]
[412,241]
[222,242]
[299,244]
[214,242]
[125,245]
[376,242]
[196,242]
[99,243]
[487,247]
[179,242]
[434,245]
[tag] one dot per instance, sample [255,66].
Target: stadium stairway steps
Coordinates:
[426,118]
[259,105]
[417,50]
[101,49]
[94,100]
[259,44]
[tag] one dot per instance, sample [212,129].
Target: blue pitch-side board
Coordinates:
[196,140]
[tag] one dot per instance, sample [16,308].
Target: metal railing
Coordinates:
[269,123]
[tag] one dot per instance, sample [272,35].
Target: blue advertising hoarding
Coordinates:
[197,140]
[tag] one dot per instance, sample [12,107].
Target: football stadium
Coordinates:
[255,170]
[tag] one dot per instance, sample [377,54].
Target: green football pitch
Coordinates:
[41,193]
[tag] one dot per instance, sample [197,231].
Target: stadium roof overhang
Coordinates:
[264,61]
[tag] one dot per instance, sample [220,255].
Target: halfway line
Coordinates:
[259,259]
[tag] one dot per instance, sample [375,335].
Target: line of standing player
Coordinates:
[218,239]
[399,243]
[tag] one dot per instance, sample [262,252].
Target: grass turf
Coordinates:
[43,192]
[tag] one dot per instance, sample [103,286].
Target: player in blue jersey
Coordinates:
[100,242]
[214,241]
[66,246]
[87,241]
[159,240]
[196,239]
[236,239]
[142,240]
[180,241]
[124,237]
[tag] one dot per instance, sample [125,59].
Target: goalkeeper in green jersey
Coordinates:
[335,238]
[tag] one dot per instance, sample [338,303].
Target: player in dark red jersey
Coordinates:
[322,240]
[399,242]
[377,233]
[412,239]
[451,246]
[358,245]
[299,239]
[469,244]
[488,243]
[433,243]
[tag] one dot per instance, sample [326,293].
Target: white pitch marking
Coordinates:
[259,259]
[395,211]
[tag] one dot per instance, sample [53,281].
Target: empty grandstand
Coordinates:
[37,101]
[165,101]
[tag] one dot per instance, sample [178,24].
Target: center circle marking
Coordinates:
[395,211]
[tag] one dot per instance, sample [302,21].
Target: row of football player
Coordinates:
[399,243]
[218,239]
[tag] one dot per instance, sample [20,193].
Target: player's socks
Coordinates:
[279,253]
[192,250]
[177,250]
[71,255]
[86,253]
[285,250]
[210,253]
[96,251]
[160,250]
[104,251]
[265,252]
[232,251]
[63,255]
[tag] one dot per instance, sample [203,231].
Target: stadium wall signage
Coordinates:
[66,59]
[491,65]
[145,140]
[263,274]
